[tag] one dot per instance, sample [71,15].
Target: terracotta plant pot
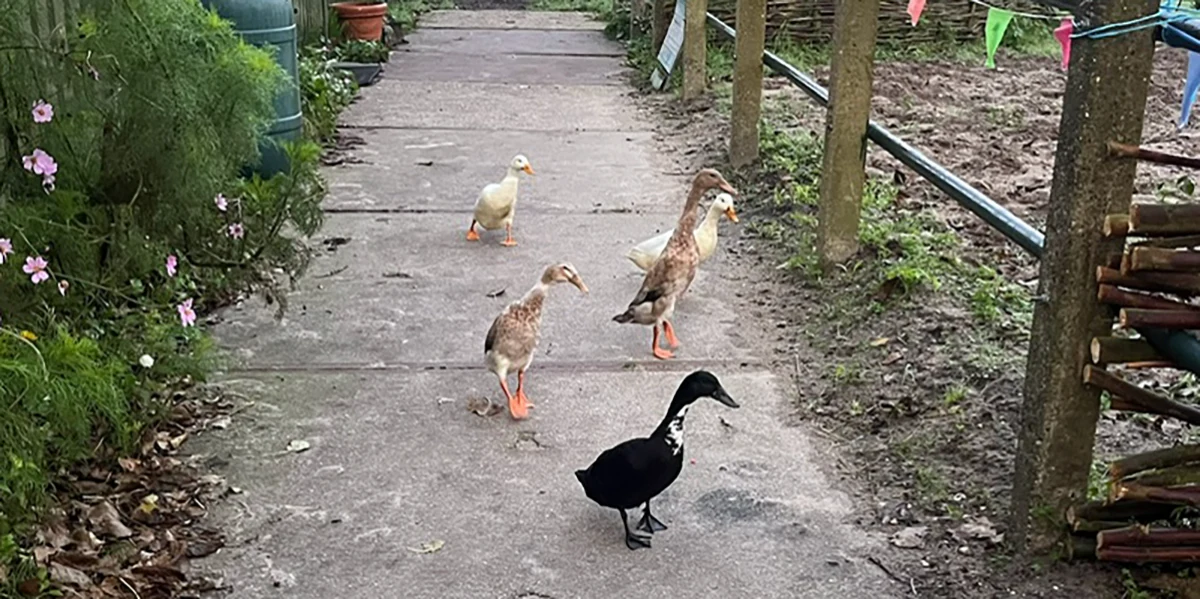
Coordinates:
[362,21]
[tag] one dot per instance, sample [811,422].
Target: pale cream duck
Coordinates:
[497,203]
[671,275]
[645,253]
[515,334]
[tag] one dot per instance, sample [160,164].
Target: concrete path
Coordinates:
[382,350]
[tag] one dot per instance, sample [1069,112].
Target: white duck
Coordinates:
[497,203]
[645,253]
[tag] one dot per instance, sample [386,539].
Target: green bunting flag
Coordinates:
[997,22]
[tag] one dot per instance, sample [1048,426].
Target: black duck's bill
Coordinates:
[723,397]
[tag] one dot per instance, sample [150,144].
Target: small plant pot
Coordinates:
[362,21]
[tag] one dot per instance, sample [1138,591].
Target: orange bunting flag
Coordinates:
[915,8]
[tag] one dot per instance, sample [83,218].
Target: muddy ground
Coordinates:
[920,401]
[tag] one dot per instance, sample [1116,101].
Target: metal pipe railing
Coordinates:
[1180,346]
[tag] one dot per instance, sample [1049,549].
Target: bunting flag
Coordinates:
[1189,88]
[915,8]
[997,22]
[1063,33]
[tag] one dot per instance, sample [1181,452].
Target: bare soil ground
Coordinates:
[918,396]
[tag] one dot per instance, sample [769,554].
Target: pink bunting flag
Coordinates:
[1063,33]
[915,8]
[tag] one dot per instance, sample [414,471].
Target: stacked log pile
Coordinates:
[1152,497]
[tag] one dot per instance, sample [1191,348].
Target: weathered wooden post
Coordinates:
[747,81]
[1105,100]
[842,173]
[695,49]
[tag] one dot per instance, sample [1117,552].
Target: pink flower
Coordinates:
[36,268]
[62,287]
[42,112]
[236,231]
[5,249]
[40,163]
[186,314]
[222,203]
[172,262]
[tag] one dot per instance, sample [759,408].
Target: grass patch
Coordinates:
[602,8]
[404,14]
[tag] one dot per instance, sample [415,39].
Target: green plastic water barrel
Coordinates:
[270,23]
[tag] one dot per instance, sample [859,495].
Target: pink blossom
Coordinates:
[36,268]
[172,262]
[5,249]
[222,203]
[62,287]
[42,112]
[40,163]
[186,314]
[236,231]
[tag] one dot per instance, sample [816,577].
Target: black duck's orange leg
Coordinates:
[471,234]
[669,331]
[508,239]
[660,353]
[515,407]
[521,397]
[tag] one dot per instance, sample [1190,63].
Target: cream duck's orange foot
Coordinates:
[471,234]
[659,352]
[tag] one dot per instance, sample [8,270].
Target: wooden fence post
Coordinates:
[1105,100]
[747,81]
[842,173]
[695,49]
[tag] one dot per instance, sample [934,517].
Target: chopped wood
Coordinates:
[1114,260]
[1116,225]
[1180,496]
[1121,150]
[1123,511]
[1111,294]
[1175,476]
[1145,555]
[1159,319]
[1182,283]
[1185,241]
[1123,405]
[1161,458]
[1151,364]
[1148,400]
[1161,259]
[1095,526]
[1115,350]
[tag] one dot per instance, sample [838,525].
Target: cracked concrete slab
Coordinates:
[484,42]
[509,19]
[445,169]
[398,463]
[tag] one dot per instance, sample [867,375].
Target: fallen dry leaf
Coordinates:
[222,423]
[431,547]
[129,464]
[298,446]
[149,504]
[67,575]
[880,342]
[497,293]
[105,518]
[892,358]
[30,588]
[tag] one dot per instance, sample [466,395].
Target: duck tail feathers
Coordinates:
[624,317]
[581,475]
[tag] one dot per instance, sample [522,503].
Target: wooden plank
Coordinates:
[1105,100]
[842,173]
[747,82]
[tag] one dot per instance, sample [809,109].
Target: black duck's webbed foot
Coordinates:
[649,523]
[634,540]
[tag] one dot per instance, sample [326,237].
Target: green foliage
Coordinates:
[603,9]
[324,93]
[363,51]
[158,108]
